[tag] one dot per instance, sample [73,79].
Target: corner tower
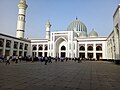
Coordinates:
[48,26]
[21,19]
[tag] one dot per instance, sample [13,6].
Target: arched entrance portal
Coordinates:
[61,47]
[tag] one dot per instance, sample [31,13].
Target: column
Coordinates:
[37,51]
[43,50]
[11,49]
[4,46]
[85,50]
[94,51]
[23,49]
[18,48]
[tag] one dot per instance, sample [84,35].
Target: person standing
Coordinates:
[16,59]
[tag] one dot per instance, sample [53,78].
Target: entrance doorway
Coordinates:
[40,54]
[45,54]
[7,52]
[90,56]
[25,53]
[20,53]
[63,54]
[99,56]
[82,55]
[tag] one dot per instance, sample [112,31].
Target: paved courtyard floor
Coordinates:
[94,75]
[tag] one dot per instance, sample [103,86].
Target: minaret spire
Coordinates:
[48,26]
[76,18]
[21,19]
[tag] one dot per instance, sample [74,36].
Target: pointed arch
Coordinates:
[82,48]
[98,48]
[63,48]
[90,48]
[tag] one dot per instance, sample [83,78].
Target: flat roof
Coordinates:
[22,39]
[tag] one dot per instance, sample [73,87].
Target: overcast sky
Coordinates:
[97,14]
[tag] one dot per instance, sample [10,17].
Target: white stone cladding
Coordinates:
[116,28]
[72,45]
[21,19]
[9,48]
[63,43]
[48,27]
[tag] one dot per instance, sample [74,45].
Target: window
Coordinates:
[63,48]
[21,46]
[8,42]
[98,48]
[82,48]
[90,48]
[15,45]
[34,47]
[40,54]
[26,46]
[46,47]
[40,47]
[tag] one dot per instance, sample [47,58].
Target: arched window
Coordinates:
[46,47]
[15,45]
[21,46]
[98,48]
[90,48]
[1,43]
[34,48]
[40,47]
[26,46]
[8,43]
[63,48]
[82,48]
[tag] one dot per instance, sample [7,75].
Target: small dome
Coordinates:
[83,34]
[93,33]
[23,1]
[76,25]
[22,4]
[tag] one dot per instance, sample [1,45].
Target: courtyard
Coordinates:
[88,75]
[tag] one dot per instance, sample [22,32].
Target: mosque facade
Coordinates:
[74,42]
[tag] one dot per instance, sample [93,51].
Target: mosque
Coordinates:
[74,42]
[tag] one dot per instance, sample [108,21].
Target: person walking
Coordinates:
[7,60]
[46,60]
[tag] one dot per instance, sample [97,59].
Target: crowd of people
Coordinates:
[8,59]
[49,59]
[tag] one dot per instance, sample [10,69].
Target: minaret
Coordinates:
[21,19]
[48,26]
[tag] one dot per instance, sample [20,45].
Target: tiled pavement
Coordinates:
[70,75]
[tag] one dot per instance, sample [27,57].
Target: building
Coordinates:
[73,42]
[113,40]
[10,45]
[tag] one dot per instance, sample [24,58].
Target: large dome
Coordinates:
[77,25]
